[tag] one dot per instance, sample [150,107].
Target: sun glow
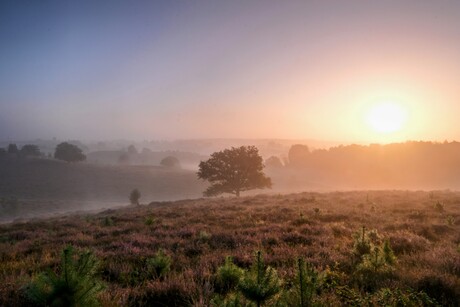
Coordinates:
[386,117]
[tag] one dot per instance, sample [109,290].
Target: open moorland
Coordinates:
[174,253]
[32,187]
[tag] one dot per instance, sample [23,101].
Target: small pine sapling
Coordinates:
[76,285]
[228,276]
[261,283]
[159,265]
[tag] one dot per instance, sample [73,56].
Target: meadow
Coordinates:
[196,236]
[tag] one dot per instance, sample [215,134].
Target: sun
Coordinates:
[386,117]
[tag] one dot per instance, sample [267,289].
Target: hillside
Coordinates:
[41,185]
[324,229]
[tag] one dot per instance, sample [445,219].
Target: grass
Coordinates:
[193,238]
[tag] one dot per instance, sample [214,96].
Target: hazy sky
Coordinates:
[243,69]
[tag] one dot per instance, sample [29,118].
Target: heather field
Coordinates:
[174,253]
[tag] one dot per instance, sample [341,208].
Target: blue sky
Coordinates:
[245,69]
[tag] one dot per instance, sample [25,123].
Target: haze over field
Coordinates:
[341,71]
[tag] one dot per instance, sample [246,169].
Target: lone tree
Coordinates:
[233,171]
[69,153]
[134,197]
[171,162]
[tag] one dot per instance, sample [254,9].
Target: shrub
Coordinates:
[261,283]
[228,276]
[69,153]
[75,286]
[171,162]
[159,265]
[306,285]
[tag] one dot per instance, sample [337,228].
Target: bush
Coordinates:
[69,153]
[75,286]
[171,162]
[228,276]
[261,283]
[159,265]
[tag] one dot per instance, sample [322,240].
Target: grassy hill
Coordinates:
[324,229]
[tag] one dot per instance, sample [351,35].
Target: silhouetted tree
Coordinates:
[123,158]
[30,150]
[69,153]
[132,150]
[134,197]
[13,149]
[273,162]
[298,154]
[233,171]
[170,161]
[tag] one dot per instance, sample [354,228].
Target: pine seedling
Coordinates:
[261,283]
[228,276]
[76,284]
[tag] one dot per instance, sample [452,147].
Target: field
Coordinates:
[40,187]
[423,229]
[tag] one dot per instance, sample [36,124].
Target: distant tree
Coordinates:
[134,197]
[30,150]
[13,149]
[132,150]
[171,162]
[273,162]
[233,171]
[69,153]
[298,155]
[123,158]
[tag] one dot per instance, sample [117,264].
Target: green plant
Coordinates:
[306,285]
[150,220]
[261,283]
[439,207]
[228,276]
[76,285]
[108,221]
[159,265]
[361,244]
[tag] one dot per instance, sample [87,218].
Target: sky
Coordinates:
[322,70]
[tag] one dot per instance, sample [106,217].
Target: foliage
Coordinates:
[159,265]
[30,150]
[75,286]
[261,283]
[233,171]
[273,162]
[12,149]
[134,197]
[69,153]
[228,276]
[170,161]
[361,244]
[306,286]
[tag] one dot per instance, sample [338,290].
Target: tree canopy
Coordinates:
[233,171]
[30,150]
[69,153]
[170,161]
